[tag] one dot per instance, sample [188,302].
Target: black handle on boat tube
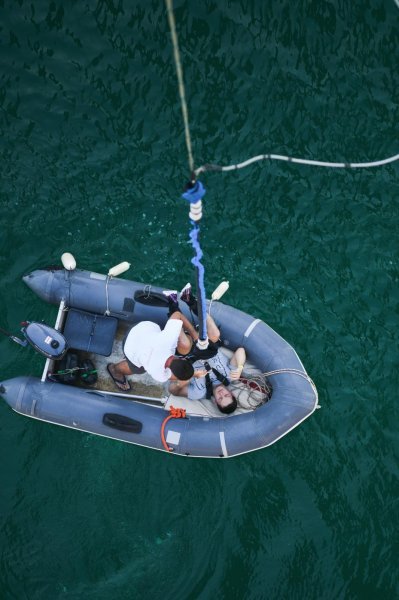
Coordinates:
[122,423]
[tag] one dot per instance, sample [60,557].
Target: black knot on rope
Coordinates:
[194,191]
[191,183]
[189,186]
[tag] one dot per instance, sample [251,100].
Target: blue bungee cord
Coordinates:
[194,193]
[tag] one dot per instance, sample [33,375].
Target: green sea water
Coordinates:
[93,161]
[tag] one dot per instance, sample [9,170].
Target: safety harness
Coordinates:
[208,383]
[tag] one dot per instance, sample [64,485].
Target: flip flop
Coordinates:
[120,383]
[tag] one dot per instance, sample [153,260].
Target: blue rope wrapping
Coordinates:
[196,261]
[194,194]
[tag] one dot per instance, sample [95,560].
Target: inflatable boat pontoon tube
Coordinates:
[294,396]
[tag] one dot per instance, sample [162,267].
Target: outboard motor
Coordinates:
[46,340]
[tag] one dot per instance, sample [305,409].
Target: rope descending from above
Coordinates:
[194,194]
[300,161]
[179,71]
[194,190]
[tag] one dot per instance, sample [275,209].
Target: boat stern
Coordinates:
[13,391]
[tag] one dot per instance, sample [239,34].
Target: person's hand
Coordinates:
[236,372]
[200,373]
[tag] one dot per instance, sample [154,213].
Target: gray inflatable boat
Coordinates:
[95,312]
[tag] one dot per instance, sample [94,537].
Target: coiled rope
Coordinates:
[300,161]
[259,390]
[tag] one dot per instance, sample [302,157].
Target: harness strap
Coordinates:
[219,376]
[208,382]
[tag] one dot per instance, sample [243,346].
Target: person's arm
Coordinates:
[186,324]
[237,363]
[197,374]
[200,373]
[178,388]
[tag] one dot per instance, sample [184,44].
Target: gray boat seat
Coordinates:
[90,332]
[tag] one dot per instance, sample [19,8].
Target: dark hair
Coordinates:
[229,408]
[181,368]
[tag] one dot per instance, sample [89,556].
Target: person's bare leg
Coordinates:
[121,368]
[184,343]
[187,333]
[118,372]
[177,389]
[212,328]
[188,297]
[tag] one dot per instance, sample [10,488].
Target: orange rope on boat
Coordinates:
[175,413]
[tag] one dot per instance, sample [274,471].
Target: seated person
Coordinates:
[149,349]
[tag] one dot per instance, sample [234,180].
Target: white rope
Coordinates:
[301,161]
[179,71]
[295,372]
[212,167]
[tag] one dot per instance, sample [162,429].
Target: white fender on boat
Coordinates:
[220,290]
[68,261]
[118,269]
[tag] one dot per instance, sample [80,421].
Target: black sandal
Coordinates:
[119,382]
